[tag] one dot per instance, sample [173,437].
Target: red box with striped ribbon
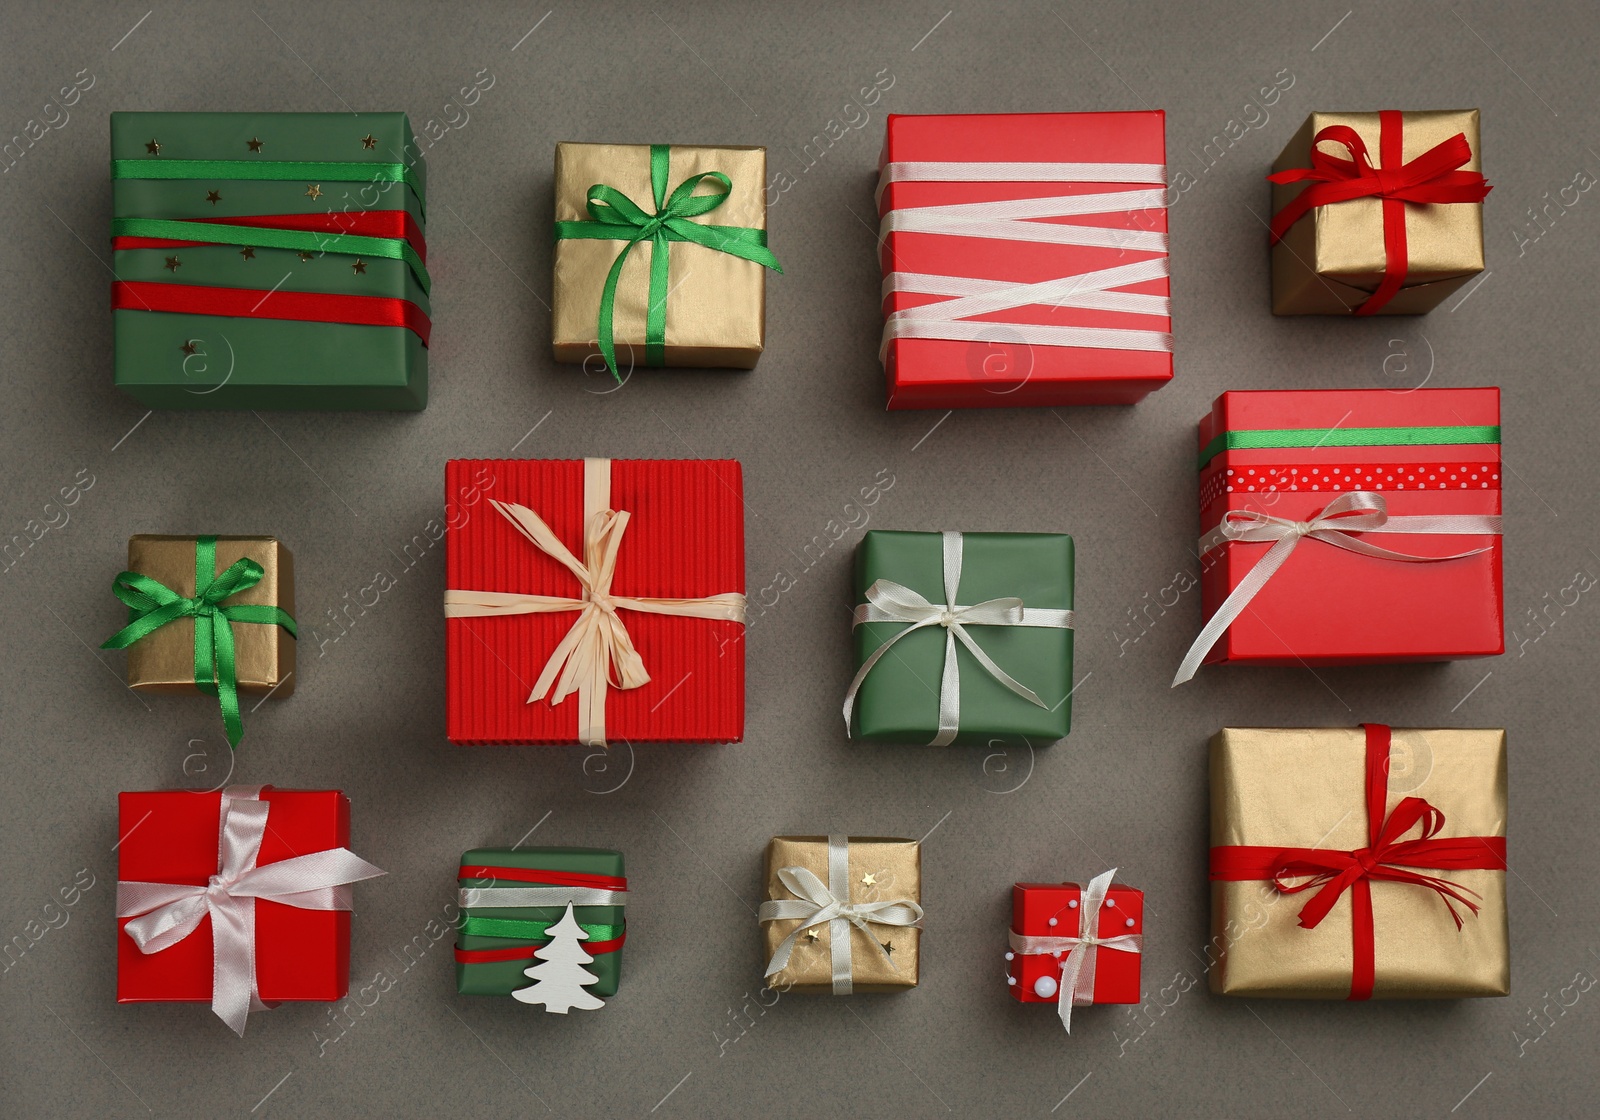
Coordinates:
[1425,453]
[1024,259]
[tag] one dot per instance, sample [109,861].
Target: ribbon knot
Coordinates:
[1433,177]
[152,604]
[1359,511]
[613,216]
[164,914]
[888,601]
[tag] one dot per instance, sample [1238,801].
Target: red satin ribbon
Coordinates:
[1431,177]
[252,303]
[525,952]
[540,875]
[364,223]
[1386,857]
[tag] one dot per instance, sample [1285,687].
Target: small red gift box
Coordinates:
[1052,910]
[1415,474]
[1024,259]
[171,836]
[664,659]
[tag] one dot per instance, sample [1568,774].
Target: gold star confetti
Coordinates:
[360,266]
[869,880]
[173,263]
[248,253]
[189,347]
[813,934]
[152,147]
[313,191]
[213,197]
[306,255]
[888,947]
[369,141]
[254,144]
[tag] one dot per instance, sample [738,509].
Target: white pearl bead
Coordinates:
[1011,956]
[1111,903]
[1072,905]
[1128,923]
[1052,921]
[1044,987]
[1011,981]
[1057,954]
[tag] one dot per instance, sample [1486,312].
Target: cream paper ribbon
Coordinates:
[500,897]
[597,652]
[888,601]
[1012,220]
[1077,970]
[165,913]
[1359,511]
[818,904]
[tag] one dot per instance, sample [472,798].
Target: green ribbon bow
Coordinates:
[613,216]
[152,604]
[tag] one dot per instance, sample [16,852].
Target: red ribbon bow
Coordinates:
[1386,857]
[1434,176]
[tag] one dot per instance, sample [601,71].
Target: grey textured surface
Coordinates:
[1128,787]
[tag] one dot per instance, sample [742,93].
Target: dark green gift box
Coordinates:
[899,698]
[310,290]
[495,944]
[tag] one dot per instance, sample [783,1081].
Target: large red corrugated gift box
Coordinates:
[1425,453]
[684,539]
[1101,336]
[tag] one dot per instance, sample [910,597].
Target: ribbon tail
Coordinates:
[1233,606]
[608,304]
[227,680]
[234,993]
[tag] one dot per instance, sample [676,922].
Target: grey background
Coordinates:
[1127,788]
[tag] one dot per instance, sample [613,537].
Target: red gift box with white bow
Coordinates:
[1047,929]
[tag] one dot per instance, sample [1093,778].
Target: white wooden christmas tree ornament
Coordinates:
[560,978]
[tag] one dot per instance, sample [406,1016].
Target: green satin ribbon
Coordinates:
[530,929]
[1351,437]
[152,604]
[613,216]
[312,171]
[393,248]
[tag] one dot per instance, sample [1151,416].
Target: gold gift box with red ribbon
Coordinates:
[1377,213]
[1358,863]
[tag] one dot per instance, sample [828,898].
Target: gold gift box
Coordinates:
[895,868]
[716,302]
[164,660]
[1305,787]
[1333,258]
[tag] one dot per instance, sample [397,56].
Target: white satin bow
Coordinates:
[888,601]
[818,904]
[1359,511]
[165,913]
[597,652]
[1077,970]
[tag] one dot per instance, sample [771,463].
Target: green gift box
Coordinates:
[962,638]
[511,897]
[269,260]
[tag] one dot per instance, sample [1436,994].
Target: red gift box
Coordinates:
[1110,346]
[1429,452]
[684,539]
[1052,910]
[171,836]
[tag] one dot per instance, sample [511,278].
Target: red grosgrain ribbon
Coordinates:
[539,875]
[1386,857]
[252,303]
[1434,176]
[525,952]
